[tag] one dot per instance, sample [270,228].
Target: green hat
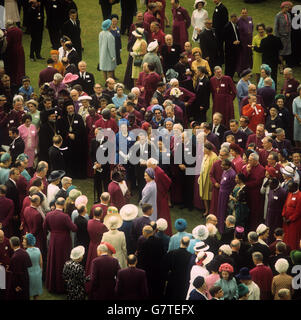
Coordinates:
[296,256]
[242,290]
[110,106]
[5,157]
[74,194]
[22,157]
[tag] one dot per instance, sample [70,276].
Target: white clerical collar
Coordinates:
[13,181]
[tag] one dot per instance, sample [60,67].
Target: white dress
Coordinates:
[198,21]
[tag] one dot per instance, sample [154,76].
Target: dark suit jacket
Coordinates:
[170,59]
[87,83]
[213,138]
[209,44]
[220,132]
[16,148]
[227,236]
[195,295]
[159,96]
[137,226]
[46,75]
[71,69]
[270,47]
[61,193]
[265,250]
[131,284]
[219,19]
[56,159]
[229,36]
[73,32]
[73,57]
[13,194]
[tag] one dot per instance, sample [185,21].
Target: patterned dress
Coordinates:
[74,275]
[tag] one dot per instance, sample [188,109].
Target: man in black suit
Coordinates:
[55,20]
[140,222]
[159,93]
[62,193]
[170,53]
[106,7]
[71,29]
[270,47]
[232,45]
[13,194]
[68,5]
[211,137]
[17,146]
[128,10]
[240,136]
[257,246]
[56,156]
[183,69]
[219,20]
[85,79]
[209,44]
[216,126]
[69,68]
[131,282]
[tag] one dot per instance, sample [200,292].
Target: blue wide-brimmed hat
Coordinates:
[106,24]
[31,239]
[22,157]
[180,224]
[244,274]
[5,157]
[157,107]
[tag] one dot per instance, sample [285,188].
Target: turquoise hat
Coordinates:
[31,239]
[242,290]
[5,157]
[266,68]
[22,157]
[180,224]
[106,24]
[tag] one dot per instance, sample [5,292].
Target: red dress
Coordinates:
[15,67]
[292,211]
[163,184]
[254,117]
[223,93]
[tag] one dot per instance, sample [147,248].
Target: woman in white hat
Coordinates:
[282,280]
[84,108]
[74,275]
[198,17]
[138,52]
[116,238]
[199,269]
[162,225]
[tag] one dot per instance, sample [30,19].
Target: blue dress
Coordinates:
[242,91]
[297,125]
[35,272]
[149,195]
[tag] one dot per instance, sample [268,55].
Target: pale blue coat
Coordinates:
[149,195]
[107,52]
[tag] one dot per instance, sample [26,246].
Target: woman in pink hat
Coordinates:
[227,282]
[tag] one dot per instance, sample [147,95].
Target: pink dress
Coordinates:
[30,137]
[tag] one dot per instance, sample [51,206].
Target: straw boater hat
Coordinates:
[205,257]
[198,1]
[84,97]
[288,171]
[113,221]
[200,232]
[200,246]
[32,101]
[138,33]
[77,252]
[129,212]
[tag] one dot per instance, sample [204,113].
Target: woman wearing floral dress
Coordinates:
[74,275]
[35,271]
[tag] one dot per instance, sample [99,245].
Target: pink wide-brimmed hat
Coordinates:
[69,77]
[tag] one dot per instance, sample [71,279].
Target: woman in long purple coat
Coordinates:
[59,224]
[226,186]
[15,58]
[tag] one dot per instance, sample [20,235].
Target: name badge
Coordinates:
[173,49]
[55,112]
[33,132]
[168,154]
[11,121]
[186,149]
[273,126]
[216,10]
[93,126]
[13,147]
[225,178]
[200,83]
[189,59]
[259,110]
[250,21]
[275,197]
[145,151]
[109,129]
[179,12]
[217,133]
[87,76]
[54,6]
[222,84]
[129,138]
[293,199]
[289,85]
[75,121]
[280,114]
[36,117]
[239,140]
[188,152]
[152,138]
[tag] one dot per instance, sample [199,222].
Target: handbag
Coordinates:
[138,61]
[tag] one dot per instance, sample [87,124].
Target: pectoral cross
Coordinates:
[217,89]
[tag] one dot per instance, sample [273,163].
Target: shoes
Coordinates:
[33,59]
[40,58]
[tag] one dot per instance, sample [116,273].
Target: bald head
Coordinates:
[235,245]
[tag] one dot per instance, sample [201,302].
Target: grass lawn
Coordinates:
[91,17]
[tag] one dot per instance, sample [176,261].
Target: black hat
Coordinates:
[198,282]
[56,174]
[106,113]
[245,72]
[51,111]
[68,103]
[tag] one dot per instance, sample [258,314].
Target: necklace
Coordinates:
[70,122]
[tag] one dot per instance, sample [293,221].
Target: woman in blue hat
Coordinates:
[107,52]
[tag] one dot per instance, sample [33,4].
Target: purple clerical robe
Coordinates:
[215,175]
[226,186]
[245,27]
[254,197]
[276,201]
[223,93]
[6,215]
[118,200]
[181,23]
[59,224]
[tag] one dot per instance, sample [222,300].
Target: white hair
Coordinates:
[254,156]
[281,265]
[212,229]
[58,77]
[173,81]
[18,98]
[152,161]
[226,249]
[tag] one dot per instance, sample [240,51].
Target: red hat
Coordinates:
[226,267]
[236,148]
[145,126]
[109,246]
[285,3]
[271,171]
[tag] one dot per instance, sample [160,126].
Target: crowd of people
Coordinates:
[150,138]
